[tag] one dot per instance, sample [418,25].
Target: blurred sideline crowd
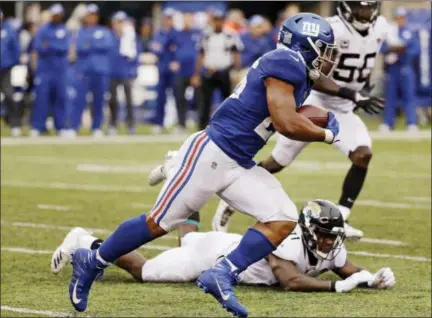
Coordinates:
[128,72]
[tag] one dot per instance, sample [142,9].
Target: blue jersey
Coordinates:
[242,124]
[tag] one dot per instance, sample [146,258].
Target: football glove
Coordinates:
[383,279]
[348,284]
[363,99]
[370,104]
[332,129]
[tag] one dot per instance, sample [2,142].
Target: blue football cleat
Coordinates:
[85,272]
[219,281]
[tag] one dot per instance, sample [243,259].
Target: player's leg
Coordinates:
[82,87]
[60,86]
[183,194]
[131,262]
[41,104]
[408,98]
[257,193]
[99,87]
[356,144]
[285,151]
[391,94]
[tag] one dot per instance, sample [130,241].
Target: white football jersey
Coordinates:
[292,249]
[357,55]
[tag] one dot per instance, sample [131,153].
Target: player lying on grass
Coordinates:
[316,246]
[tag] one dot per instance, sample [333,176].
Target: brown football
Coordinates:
[317,115]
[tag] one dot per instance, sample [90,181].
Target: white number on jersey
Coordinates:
[347,73]
[265,129]
[240,86]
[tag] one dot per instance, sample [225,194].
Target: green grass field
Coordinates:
[48,188]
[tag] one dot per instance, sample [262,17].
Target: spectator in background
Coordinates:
[400,49]
[162,46]
[123,68]
[9,57]
[274,33]
[146,32]
[219,52]
[235,22]
[93,66]
[51,43]
[255,42]
[183,65]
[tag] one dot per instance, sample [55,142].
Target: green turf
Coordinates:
[399,171]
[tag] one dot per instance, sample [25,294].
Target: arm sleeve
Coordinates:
[341,258]
[284,65]
[290,249]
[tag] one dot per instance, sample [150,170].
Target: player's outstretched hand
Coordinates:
[383,279]
[348,284]
[332,129]
[370,104]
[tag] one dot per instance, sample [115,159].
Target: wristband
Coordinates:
[333,287]
[347,93]
[329,136]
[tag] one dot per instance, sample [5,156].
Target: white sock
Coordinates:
[345,212]
[86,241]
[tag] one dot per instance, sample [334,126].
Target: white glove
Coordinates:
[383,279]
[348,284]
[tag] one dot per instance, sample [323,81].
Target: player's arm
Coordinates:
[286,120]
[370,104]
[293,280]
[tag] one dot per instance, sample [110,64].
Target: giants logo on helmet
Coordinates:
[310,28]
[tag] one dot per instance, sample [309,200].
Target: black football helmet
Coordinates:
[361,14]
[321,217]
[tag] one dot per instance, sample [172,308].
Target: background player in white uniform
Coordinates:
[359,32]
[315,246]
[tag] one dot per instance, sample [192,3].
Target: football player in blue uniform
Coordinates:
[219,160]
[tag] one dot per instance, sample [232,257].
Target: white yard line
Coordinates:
[51,207]
[382,241]
[138,205]
[419,199]
[88,140]
[98,168]
[164,248]
[71,186]
[394,205]
[166,237]
[67,228]
[41,313]
[379,204]
[407,257]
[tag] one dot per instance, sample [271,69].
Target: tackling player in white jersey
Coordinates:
[359,32]
[316,246]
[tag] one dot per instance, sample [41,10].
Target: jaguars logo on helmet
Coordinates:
[321,218]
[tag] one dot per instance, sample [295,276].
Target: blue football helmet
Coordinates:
[312,37]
